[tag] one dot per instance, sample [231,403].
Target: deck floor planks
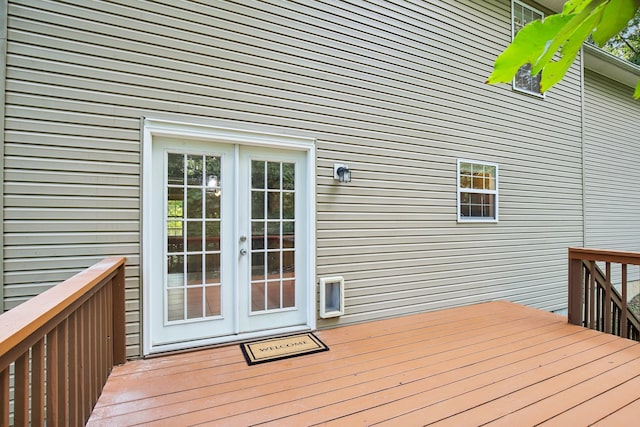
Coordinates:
[225,376]
[598,379]
[450,364]
[514,393]
[346,393]
[443,386]
[307,372]
[625,416]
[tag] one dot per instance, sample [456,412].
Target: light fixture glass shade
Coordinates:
[344,174]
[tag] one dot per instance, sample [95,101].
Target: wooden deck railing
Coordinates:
[593,301]
[62,345]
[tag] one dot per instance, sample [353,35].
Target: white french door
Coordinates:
[227,245]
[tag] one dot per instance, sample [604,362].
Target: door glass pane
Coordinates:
[288,205]
[194,302]
[212,203]
[194,269]
[288,234]
[175,304]
[257,266]
[257,296]
[175,271]
[273,175]
[288,293]
[212,268]
[273,295]
[288,263]
[212,301]
[272,235]
[273,205]
[288,176]
[194,203]
[194,236]
[273,263]
[257,235]
[194,170]
[175,168]
[257,204]
[212,235]
[193,276]
[175,223]
[257,174]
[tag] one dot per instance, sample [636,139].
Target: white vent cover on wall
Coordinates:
[331,297]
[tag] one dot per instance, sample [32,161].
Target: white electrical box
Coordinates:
[331,297]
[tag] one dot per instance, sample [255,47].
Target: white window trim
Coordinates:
[513,34]
[496,192]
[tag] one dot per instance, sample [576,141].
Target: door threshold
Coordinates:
[193,346]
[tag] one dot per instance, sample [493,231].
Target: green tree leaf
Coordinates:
[554,71]
[527,46]
[616,15]
[552,46]
[576,6]
[587,19]
[636,94]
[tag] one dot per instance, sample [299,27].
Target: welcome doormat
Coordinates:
[281,348]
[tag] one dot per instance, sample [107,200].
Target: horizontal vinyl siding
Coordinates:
[612,156]
[393,88]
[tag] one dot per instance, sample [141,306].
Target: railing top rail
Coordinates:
[606,255]
[19,323]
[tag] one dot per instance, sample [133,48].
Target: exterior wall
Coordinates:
[394,89]
[612,156]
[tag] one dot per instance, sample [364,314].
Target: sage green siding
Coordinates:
[393,88]
[612,156]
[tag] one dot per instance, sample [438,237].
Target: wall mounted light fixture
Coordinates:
[341,172]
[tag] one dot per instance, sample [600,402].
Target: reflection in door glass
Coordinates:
[272,235]
[192,229]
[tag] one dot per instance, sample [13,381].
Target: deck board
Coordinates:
[498,363]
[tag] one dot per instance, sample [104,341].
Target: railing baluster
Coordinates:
[84,361]
[624,328]
[607,300]
[75,417]
[111,352]
[55,416]
[93,348]
[21,390]
[4,397]
[100,337]
[37,384]
[592,287]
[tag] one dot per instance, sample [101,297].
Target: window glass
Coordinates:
[522,15]
[477,191]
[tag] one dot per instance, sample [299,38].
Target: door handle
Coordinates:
[243,251]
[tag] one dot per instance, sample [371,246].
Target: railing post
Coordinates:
[119,341]
[575,290]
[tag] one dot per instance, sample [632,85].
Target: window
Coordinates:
[522,15]
[477,191]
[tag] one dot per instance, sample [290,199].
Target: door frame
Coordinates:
[152,128]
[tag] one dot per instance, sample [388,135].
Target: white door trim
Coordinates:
[153,128]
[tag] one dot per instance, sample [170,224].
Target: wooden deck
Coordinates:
[497,363]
